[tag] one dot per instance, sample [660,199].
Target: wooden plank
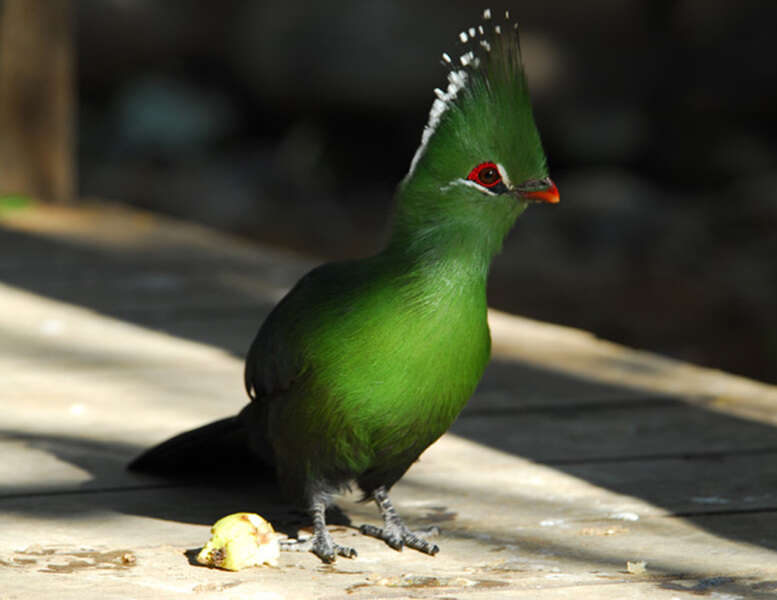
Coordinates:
[516,535]
[657,428]
[574,457]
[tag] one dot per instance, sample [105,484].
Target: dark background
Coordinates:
[292,122]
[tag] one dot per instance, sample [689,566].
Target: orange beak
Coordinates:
[543,190]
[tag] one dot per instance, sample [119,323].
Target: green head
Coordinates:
[480,161]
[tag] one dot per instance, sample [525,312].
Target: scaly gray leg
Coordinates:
[321,543]
[394,532]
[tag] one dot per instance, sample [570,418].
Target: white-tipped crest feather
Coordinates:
[457,76]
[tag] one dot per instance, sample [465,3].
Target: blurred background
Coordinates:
[291,123]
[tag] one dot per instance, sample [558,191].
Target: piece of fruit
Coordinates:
[240,540]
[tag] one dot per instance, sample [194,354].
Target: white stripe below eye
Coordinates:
[468,183]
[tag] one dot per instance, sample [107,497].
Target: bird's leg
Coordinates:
[321,543]
[394,532]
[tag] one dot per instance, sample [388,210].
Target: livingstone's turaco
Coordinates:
[365,363]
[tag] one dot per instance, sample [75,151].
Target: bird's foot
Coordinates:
[394,532]
[321,545]
[397,535]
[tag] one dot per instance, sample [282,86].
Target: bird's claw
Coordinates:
[322,547]
[336,550]
[292,545]
[328,551]
[398,536]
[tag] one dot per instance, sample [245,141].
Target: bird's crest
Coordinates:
[486,96]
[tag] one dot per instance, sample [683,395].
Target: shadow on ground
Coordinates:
[696,463]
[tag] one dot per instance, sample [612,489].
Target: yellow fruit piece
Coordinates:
[240,540]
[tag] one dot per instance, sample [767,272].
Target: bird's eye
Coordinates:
[486,174]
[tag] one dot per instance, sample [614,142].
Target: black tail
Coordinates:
[220,447]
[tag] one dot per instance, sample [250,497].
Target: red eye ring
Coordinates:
[486,174]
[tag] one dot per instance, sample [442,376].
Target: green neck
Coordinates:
[440,231]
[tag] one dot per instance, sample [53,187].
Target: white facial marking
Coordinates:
[472,32]
[503,173]
[468,183]
[498,29]
[446,58]
[463,37]
[487,14]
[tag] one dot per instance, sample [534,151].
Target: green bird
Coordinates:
[365,363]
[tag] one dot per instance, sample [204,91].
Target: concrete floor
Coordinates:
[119,328]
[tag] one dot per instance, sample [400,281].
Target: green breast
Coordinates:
[388,365]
